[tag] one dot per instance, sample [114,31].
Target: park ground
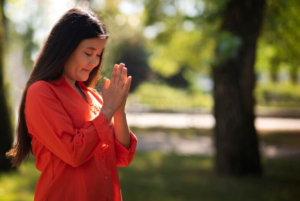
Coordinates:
[176,164]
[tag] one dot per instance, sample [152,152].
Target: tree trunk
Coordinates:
[5,120]
[234,81]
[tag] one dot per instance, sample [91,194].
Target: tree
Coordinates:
[234,82]
[5,124]
[234,27]
[277,44]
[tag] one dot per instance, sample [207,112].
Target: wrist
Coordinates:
[108,112]
[119,113]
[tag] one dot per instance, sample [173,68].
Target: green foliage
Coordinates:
[278,94]
[125,44]
[280,38]
[170,98]
[161,96]
[184,50]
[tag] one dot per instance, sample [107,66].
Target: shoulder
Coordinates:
[41,84]
[39,88]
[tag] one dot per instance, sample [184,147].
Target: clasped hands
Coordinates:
[115,91]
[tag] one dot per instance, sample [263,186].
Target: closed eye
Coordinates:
[91,55]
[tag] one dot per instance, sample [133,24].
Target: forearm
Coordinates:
[121,129]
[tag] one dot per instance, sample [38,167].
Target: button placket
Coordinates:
[77,137]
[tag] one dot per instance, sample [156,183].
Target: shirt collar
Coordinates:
[82,85]
[59,80]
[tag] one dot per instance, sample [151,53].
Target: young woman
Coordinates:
[77,138]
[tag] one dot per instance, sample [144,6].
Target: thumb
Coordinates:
[104,83]
[107,83]
[104,80]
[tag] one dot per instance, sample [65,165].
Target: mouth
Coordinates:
[86,70]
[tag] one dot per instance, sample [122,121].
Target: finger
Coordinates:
[107,83]
[122,65]
[118,77]
[114,73]
[123,77]
[127,86]
[104,84]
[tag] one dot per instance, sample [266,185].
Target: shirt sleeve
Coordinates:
[50,124]
[124,156]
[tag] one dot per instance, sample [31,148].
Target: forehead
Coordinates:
[93,43]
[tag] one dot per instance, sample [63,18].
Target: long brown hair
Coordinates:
[73,27]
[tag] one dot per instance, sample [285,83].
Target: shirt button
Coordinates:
[78,132]
[106,177]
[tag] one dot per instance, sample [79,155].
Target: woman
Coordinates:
[64,121]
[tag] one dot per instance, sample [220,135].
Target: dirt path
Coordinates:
[199,145]
[203,145]
[205,121]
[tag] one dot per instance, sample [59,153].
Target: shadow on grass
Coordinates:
[19,185]
[165,177]
[158,176]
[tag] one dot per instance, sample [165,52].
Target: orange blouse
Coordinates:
[74,144]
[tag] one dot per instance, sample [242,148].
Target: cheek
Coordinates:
[81,59]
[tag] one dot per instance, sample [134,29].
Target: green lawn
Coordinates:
[157,176]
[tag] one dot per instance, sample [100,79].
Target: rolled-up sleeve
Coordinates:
[49,123]
[124,156]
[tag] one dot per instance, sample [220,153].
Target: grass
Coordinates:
[283,95]
[158,176]
[19,185]
[169,98]
[167,176]
[291,140]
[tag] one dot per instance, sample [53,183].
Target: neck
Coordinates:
[71,82]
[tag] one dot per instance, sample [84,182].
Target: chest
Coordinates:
[81,107]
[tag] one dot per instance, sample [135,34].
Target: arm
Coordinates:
[125,140]
[49,123]
[124,152]
[120,85]
[122,132]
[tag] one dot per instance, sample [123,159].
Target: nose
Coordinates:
[93,62]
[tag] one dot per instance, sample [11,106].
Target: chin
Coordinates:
[82,79]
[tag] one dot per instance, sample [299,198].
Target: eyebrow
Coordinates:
[92,48]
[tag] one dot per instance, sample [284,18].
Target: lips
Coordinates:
[86,70]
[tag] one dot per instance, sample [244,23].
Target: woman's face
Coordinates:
[83,60]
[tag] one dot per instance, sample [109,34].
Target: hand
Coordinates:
[115,91]
[121,109]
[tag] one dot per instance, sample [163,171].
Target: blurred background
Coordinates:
[214,102]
